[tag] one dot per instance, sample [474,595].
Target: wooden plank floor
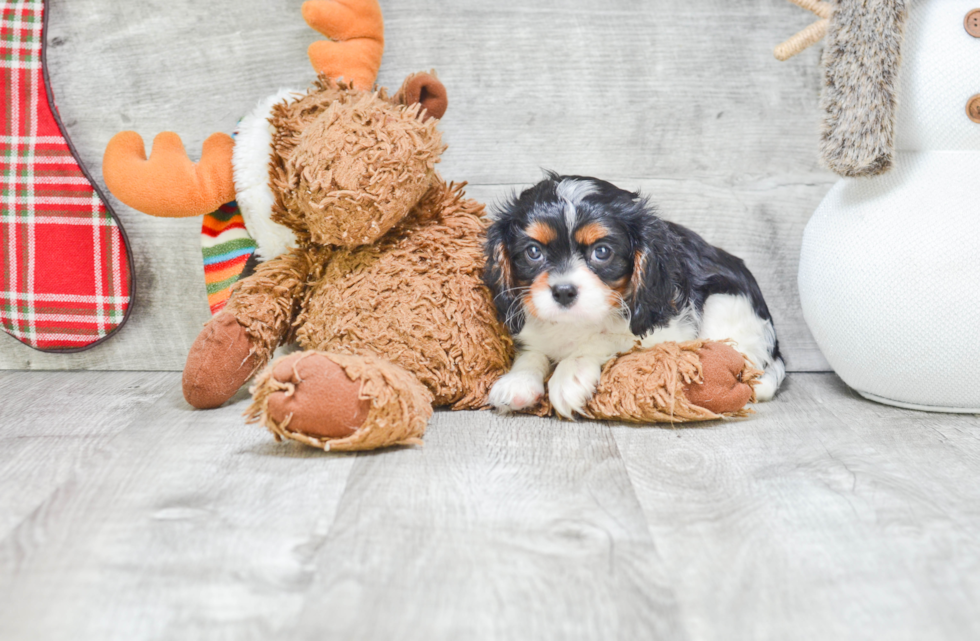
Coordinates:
[126,515]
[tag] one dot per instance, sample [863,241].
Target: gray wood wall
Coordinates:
[679,98]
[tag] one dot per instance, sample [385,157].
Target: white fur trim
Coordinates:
[250,161]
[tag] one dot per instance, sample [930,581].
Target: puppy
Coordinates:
[581,270]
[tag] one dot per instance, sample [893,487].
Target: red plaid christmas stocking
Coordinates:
[67,273]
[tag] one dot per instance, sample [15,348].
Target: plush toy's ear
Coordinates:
[653,286]
[499,278]
[426,90]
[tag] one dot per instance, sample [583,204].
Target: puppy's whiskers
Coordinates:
[516,307]
[516,292]
[624,308]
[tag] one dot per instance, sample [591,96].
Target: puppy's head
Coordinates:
[577,250]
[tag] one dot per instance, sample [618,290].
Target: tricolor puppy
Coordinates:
[581,270]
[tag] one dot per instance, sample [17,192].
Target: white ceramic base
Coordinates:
[921,408]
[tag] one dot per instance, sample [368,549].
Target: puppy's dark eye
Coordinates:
[601,253]
[533,253]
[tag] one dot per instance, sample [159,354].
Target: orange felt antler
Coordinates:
[357,39]
[811,34]
[169,184]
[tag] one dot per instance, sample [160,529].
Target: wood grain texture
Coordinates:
[52,430]
[497,528]
[681,99]
[125,514]
[824,516]
[186,524]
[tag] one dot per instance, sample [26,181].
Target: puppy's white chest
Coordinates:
[559,341]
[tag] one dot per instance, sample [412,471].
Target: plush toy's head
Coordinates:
[348,165]
[345,166]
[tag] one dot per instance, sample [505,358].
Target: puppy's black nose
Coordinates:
[564,295]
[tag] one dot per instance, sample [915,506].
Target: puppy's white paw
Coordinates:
[516,391]
[573,384]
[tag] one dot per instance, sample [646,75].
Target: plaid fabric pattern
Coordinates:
[66,280]
[226,246]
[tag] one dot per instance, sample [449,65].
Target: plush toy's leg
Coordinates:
[340,402]
[675,383]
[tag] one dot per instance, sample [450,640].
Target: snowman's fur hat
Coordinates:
[861,59]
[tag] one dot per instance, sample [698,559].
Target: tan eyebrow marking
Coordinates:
[541,232]
[591,233]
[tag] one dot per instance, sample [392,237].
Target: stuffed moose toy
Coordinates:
[380,276]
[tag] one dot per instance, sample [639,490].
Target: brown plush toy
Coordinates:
[383,290]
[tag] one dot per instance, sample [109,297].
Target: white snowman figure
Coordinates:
[890,266]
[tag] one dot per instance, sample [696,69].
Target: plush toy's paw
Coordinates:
[723,389]
[316,397]
[340,401]
[219,363]
[516,391]
[573,384]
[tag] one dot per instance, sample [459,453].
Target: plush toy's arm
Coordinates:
[168,184]
[672,383]
[241,338]
[357,41]
[861,63]
[861,60]
[267,302]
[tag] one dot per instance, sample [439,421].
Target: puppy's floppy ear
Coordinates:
[653,286]
[499,277]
